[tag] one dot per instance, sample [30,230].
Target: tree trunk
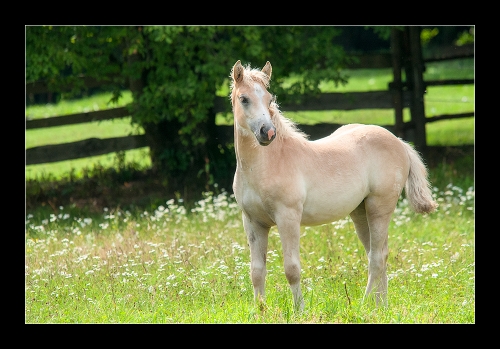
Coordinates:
[190,168]
[220,160]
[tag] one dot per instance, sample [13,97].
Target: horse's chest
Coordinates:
[253,202]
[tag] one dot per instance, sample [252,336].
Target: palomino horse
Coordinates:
[284,179]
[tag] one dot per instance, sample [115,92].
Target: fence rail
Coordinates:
[326,101]
[79,118]
[81,149]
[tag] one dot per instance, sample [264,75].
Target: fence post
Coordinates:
[418,89]
[396,87]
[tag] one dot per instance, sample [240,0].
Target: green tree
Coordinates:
[174,73]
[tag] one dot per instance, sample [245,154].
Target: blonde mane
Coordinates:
[285,128]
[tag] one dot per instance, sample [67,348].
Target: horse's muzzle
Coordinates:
[266,135]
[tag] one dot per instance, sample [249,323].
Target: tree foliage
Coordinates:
[177,71]
[60,55]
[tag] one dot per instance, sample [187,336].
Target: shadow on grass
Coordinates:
[143,189]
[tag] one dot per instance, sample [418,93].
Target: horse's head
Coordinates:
[251,102]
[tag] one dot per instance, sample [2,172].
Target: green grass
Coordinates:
[451,132]
[438,100]
[171,265]
[136,158]
[72,133]
[82,105]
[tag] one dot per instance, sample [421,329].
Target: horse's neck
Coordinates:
[248,152]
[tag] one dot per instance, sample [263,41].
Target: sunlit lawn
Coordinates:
[439,100]
[169,265]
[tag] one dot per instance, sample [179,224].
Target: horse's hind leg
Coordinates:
[257,237]
[358,216]
[360,221]
[373,232]
[378,212]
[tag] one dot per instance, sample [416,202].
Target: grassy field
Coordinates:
[438,100]
[171,265]
[179,263]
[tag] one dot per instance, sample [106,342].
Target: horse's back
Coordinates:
[345,128]
[366,140]
[357,129]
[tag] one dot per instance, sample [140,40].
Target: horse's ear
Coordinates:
[267,69]
[237,72]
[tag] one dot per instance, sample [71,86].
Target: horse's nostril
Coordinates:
[262,130]
[269,134]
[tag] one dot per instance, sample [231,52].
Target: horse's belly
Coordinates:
[315,214]
[318,202]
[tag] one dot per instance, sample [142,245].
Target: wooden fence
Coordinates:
[399,95]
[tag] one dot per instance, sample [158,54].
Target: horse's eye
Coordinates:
[244,100]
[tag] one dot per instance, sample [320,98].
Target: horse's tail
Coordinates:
[417,188]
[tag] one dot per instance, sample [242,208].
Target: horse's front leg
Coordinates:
[257,236]
[289,230]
